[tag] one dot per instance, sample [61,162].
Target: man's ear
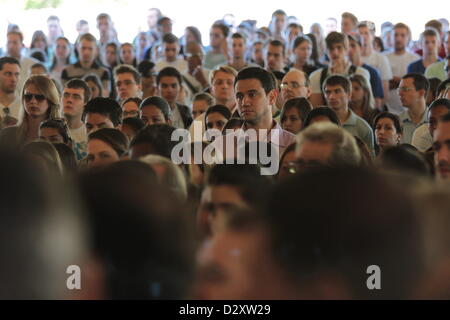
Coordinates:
[273,96]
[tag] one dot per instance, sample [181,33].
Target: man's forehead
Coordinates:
[294,75]
[248,85]
[74,90]
[220,75]
[96,117]
[10,66]
[168,80]
[442,131]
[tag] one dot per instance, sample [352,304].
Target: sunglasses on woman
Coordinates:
[29,96]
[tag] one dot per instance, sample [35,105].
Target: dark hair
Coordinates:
[279,75]
[338,80]
[315,51]
[169,38]
[335,37]
[67,156]
[39,65]
[395,119]
[39,55]
[445,118]
[404,158]
[223,27]
[39,34]
[92,77]
[436,24]
[59,124]
[134,123]
[380,43]
[54,62]
[299,40]
[159,103]
[277,43]
[321,111]
[434,85]
[224,111]
[124,68]
[105,106]
[145,68]
[302,105]
[10,60]
[196,33]
[445,85]
[439,102]
[113,137]
[278,12]
[159,137]
[266,78]
[88,37]
[162,19]
[233,122]
[420,82]
[168,72]
[80,84]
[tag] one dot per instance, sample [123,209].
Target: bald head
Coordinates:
[295,84]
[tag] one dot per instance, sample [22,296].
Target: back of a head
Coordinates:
[139,232]
[159,137]
[328,230]
[405,158]
[41,233]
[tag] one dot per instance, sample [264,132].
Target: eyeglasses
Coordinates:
[404,89]
[292,85]
[29,96]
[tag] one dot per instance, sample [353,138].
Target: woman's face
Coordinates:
[385,133]
[127,54]
[215,120]
[62,49]
[39,43]
[95,92]
[100,154]
[36,105]
[357,92]
[303,51]
[51,135]
[291,121]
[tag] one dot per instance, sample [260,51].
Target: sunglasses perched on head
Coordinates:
[29,96]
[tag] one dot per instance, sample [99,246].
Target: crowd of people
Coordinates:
[120,159]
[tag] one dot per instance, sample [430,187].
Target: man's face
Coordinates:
[347,25]
[152,19]
[238,48]
[73,102]
[430,45]
[166,27]
[126,85]
[110,55]
[103,26]
[257,53]
[311,154]
[223,86]
[216,37]
[433,117]
[253,102]
[14,45]
[366,36]
[171,51]
[169,89]
[303,51]
[148,86]
[199,107]
[337,98]
[337,52]
[293,86]
[9,76]
[95,121]
[53,28]
[88,51]
[280,22]
[401,38]
[408,93]
[441,146]
[274,58]
[293,33]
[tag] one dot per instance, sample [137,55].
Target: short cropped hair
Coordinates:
[168,72]
[224,28]
[338,80]
[266,78]
[8,60]
[169,38]
[124,68]
[336,38]
[105,106]
[88,37]
[420,81]
[80,84]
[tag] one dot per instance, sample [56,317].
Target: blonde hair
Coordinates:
[225,69]
[48,89]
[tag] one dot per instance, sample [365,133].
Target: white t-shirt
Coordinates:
[399,66]
[422,138]
[79,137]
[14,109]
[379,62]
[315,77]
[179,64]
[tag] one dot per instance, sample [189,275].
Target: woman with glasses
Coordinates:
[40,102]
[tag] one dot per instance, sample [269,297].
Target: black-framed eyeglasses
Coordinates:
[29,96]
